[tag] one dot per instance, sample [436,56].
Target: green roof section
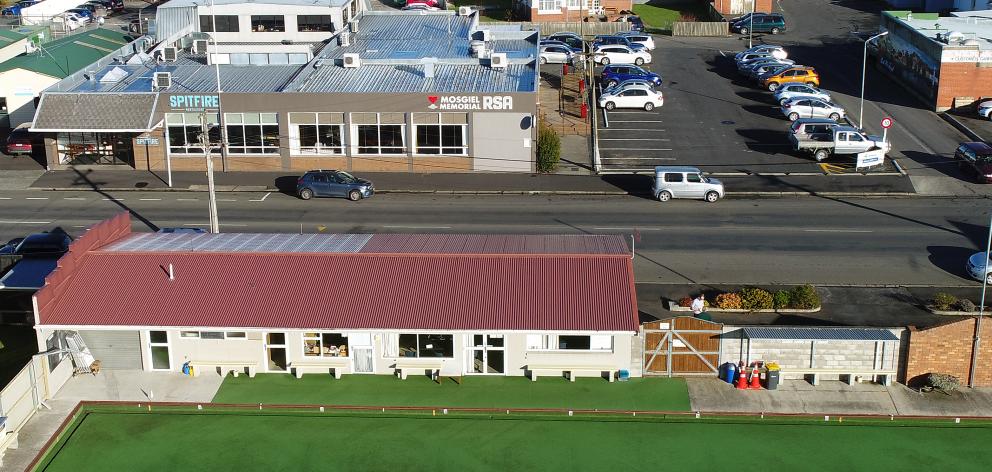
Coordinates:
[8,37]
[904,15]
[64,56]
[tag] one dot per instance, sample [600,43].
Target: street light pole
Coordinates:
[750,24]
[981,312]
[864,70]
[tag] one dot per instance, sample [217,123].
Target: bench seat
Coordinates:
[573,370]
[404,366]
[885,374]
[235,367]
[321,366]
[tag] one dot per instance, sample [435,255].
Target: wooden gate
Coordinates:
[681,346]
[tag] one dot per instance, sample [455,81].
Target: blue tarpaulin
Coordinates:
[28,274]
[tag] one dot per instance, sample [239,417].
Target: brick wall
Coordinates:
[727,7]
[947,349]
[962,79]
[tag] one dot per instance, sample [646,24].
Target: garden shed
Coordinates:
[815,353]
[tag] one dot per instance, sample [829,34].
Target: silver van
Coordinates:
[684,182]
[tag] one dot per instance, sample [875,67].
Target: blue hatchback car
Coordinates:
[333,183]
[15,9]
[616,73]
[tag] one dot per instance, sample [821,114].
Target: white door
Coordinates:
[361,353]
[158,350]
[485,354]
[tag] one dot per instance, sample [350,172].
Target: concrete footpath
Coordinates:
[476,183]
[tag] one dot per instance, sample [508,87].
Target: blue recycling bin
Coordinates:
[728,372]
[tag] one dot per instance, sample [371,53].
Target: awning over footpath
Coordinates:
[96,112]
[820,334]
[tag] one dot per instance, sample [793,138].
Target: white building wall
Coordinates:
[20,87]
[13,49]
[289,13]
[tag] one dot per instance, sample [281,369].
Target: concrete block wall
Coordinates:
[947,349]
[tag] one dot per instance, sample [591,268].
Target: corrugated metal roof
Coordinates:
[410,79]
[66,55]
[190,74]
[496,244]
[306,3]
[821,334]
[240,242]
[348,291]
[98,111]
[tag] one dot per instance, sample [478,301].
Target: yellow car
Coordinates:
[801,74]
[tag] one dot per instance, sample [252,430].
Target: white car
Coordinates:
[977,267]
[632,97]
[70,20]
[555,54]
[619,54]
[800,107]
[629,83]
[640,38]
[790,90]
[776,51]
[985,110]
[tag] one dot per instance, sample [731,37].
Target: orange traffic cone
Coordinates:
[742,380]
[755,379]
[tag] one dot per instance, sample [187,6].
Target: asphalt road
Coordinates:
[825,241]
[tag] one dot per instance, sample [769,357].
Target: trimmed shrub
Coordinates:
[944,382]
[729,301]
[942,301]
[685,302]
[965,305]
[548,148]
[753,298]
[781,299]
[804,297]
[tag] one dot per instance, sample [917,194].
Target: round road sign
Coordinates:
[886,122]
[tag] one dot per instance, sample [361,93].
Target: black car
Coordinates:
[333,183]
[53,244]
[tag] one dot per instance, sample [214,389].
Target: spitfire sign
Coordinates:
[469,102]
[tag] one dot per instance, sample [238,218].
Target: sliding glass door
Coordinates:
[485,354]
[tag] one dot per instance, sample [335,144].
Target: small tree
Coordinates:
[944,382]
[804,297]
[782,299]
[942,301]
[548,148]
[753,298]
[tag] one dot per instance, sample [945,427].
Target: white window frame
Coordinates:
[544,342]
[549,6]
[297,149]
[575,4]
[356,144]
[238,119]
[470,348]
[320,343]
[187,120]
[440,147]
[167,345]
[418,335]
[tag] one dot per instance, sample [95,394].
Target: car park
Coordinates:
[805,107]
[684,182]
[841,141]
[333,183]
[762,68]
[632,96]
[985,110]
[555,54]
[773,23]
[616,73]
[803,74]
[573,40]
[977,157]
[609,40]
[618,54]
[70,21]
[629,83]
[640,38]
[772,49]
[977,267]
[20,141]
[751,57]
[790,90]
[83,12]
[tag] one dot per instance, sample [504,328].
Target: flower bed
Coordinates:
[800,299]
[945,304]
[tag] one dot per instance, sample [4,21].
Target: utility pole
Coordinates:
[212,200]
[977,344]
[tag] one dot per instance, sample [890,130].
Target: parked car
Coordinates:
[636,23]
[15,9]
[616,73]
[617,54]
[573,40]
[805,107]
[684,182]
[821,129]
[985,110]
[843,140]
[629,83]
[976,156]
[83,12]
[806,75]
[632,96]
[612,40]
[182,230]
[773,23]
[751,58]
[772,49]
[333,183]
[430,3]
[70,20]
[790,90]
[47,244]
[9,247]
[558,53]
[419,7]
[758,69]
[640,38]
[20,141]
[978,267]
[90,7]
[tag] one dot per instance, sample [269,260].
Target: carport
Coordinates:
[833,353]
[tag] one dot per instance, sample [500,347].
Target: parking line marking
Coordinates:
[8,222]
[832,168]
[721,53]
[261,199]
[150,199]
[416,227]
[5,198]
[838,231]
[36,198]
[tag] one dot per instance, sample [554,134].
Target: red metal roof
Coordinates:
[454,282]
[349,291]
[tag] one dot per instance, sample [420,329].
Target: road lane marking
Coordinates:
[5,198]
[113,199]
[74,198]
[838,231]
[226,200]
[416,227]
[624,228]
[640,158]
[630,129]
[36,198]
[150,199]
[638,121]
[634,149]
[832,168]
[634,139]
[9,222]
[187,199]
[233,224]
[261,199]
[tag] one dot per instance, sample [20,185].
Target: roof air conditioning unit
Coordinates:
[200,46]
[487,35]
[464,11]
[163,80]
[344,39]
[353,25]
[498,60]
[351,61]
[170,54]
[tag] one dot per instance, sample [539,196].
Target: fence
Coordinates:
[700,28]
[582,27]
[20,399]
